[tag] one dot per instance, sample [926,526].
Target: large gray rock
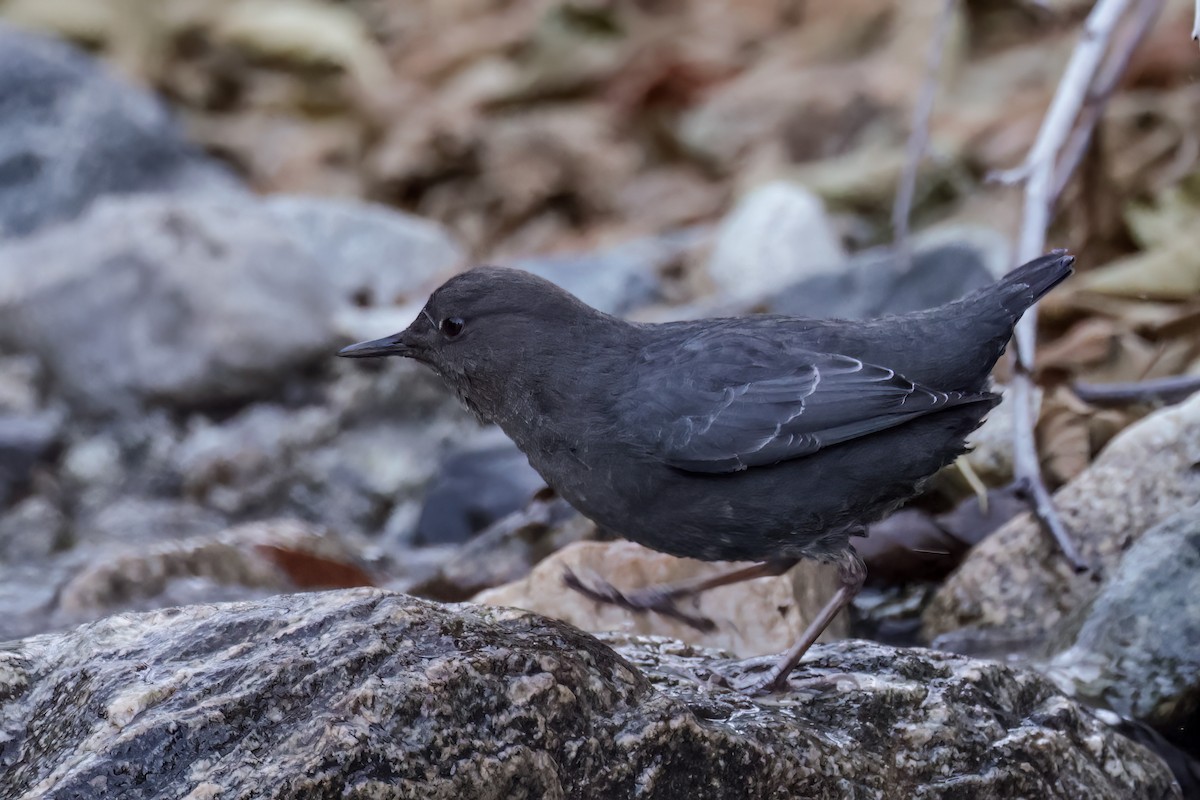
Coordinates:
[1136,647]
[186,302]
[70,132]
[372,254]
[367,694]
[1143,476]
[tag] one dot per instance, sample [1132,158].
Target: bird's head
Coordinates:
[488,332]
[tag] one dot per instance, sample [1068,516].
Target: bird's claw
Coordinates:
[774,685]
[639,601]
[782,683]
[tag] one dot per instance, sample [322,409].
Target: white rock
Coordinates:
[777,235]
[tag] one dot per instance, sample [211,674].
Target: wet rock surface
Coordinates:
[368,694]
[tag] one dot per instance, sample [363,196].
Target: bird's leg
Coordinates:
[661,599]
[851,572]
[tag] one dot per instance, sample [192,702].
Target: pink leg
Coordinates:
[852,572]
[661,599]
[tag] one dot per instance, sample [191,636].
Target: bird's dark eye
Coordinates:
[452,326]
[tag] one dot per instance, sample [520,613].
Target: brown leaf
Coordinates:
[1170,272]
[1184,321]
[309,570]
[1064,437]
[1091,341]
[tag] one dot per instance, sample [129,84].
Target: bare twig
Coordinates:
[1145,15]
[1173,389]
[918,138]
[1038,173]
[1196,23]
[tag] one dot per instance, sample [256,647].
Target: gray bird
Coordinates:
[762,438]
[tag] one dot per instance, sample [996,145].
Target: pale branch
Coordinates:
[918,138]
[1038,168]
[1038,174]
[1196,23]
[1166,391]
[1145,15]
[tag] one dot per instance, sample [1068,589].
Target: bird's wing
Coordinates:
[724,400]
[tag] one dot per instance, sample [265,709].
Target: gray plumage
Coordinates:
[730,439]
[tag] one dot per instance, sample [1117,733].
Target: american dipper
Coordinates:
[761,438]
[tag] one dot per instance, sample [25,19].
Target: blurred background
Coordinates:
[202,200]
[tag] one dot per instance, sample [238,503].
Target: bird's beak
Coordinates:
[394,345]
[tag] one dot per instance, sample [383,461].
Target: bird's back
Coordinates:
[950,348]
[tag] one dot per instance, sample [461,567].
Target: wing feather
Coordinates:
[742,401]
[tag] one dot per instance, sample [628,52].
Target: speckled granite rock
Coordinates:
[1016,580]
[368,694]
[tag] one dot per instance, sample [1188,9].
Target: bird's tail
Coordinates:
[1026,284]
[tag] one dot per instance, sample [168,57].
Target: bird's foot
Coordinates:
[701,676]
[784,683]
[751,682]
[640,601]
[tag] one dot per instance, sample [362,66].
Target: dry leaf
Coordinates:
[1170,272]
[305,33]
[1092,341]
[1064,437]
[309,570]
[85,21]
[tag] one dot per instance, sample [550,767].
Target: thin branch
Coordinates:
[1145,15]
[1038,173]
[1196,23]
[1170,390]
[918,138]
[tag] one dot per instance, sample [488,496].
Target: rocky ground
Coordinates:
[175,277]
